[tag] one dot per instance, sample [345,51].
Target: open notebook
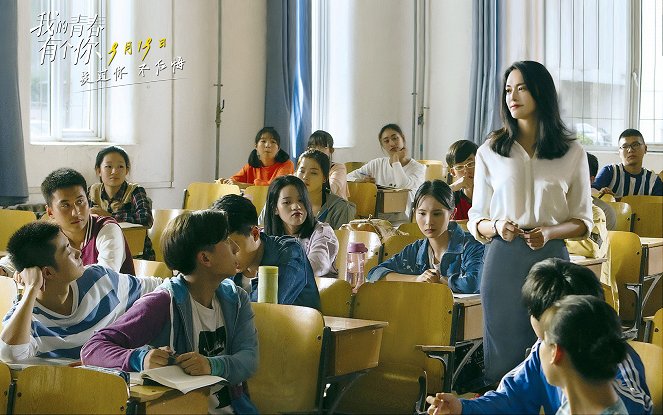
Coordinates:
[174,377]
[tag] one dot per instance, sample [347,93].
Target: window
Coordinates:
[66,42]
[651,85]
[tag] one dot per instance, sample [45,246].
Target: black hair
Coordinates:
[32,245]
[281,156]
[590,333]
[190,233]
[593,164]
[320,138]
[631,132]
[391,126]
[242,216]
[439,190]
[273,223]
[108,150]
[460,151]
[554,278]
[61,179]
[553,138]
[324,162]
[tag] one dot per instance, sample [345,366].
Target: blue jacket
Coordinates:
[525,389]
[461,263]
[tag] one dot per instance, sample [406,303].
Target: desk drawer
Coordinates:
[354,351]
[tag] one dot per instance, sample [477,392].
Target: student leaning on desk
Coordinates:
[200,318]
[59,294]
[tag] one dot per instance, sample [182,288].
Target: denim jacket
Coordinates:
[461,263]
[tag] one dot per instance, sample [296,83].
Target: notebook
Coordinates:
[174,377]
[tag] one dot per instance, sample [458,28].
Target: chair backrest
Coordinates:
[607,197]
[411,228]
[395,244]
[353,165]
[435,169]
[10,221]
[8,292]
[145,268]
[607,294]
[370,239]
[69,390]
[161,219]
[652,359]
[418,314]
[657,328]
[288,376]
[135,237]
[201,195]
[335,296]
[624,256]
[648,215]
[364,196]
[257,195]
[623,213]
[5,381]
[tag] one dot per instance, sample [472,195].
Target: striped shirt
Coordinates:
[101,296]
[623,183]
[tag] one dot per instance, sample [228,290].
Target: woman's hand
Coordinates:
[395,156]
[507,229]
[462,183]
[430,275]
[194,364]
[537,237]
[224,181]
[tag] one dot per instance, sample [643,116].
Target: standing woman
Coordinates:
[288,212]
[114,196]
[396,170]
[266,162]
[338,174]
[530,193]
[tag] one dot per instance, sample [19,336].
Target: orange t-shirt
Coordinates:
[263,176]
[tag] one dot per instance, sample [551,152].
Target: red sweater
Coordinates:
[263,176]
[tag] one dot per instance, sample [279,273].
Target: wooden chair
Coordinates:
[395,244]
[69,390]
[161,219]
[652,359]
[370,239]
[623,212]
[654,328]
[145,268]
[364,196]
[288,377]
[418,314]
[353,165]
[10,221]
[435,169]
[200,195]
[5,382]
[411,228]
[647,213]
[257,195]
[335,296]
[8,292]
[608,296]
[135,237]
[607,197]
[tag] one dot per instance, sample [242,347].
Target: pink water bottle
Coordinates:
[356,259]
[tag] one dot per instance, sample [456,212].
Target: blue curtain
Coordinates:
[13,178]
[288,86]
[487,66]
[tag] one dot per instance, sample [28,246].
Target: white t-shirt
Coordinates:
[209,339]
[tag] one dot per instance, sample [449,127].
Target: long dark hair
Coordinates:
[324,162]
[273,223]
[553,138]
[281,156]
[439,190]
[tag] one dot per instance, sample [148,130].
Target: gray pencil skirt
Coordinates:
[507,332]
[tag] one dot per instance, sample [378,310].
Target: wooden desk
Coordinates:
[468,314]
[593,264]
[162,399]
[391,201]
[135,237]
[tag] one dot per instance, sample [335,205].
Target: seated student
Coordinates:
[338,181]
[266,162]
[397,170]
[581,347]
[446,255]
[629,177]
[288,212]
[460,159]
[99,238]
[610,215]
[525,389]
[313,169]
[113,196]
[200,316]
[63,302]
[596,244]
[296,280]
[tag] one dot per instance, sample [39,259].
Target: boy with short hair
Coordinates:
[296,282]
[629,177]
[200,319]
[63,302]
[460,160]
[99,238]
[525,389]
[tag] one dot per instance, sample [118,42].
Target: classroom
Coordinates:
[306,206]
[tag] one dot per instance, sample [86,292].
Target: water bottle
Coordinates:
[356,259]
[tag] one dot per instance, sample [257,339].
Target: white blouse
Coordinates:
[530,191]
